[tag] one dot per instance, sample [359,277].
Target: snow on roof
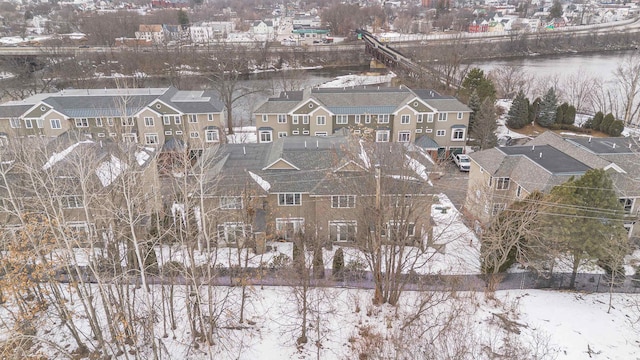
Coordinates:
[363,155]
[141,157]
[358,80]
[109,170]
[419,169]
[57,157]
[262,182]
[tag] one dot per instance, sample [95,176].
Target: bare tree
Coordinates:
[627,75]
[510,79]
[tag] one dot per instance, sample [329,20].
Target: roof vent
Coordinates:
[305,144]
[540,154]
[244,150]
[614,145]
[589,138]
[533,148]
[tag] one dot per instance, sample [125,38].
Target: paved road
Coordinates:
[453,183]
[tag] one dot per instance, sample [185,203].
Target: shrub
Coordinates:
[338,263]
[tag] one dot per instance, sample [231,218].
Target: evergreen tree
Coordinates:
[183,18]
[585,218]
[597,120]
[560,113]
[485,128]
[570,115]
[474,105]
[606,123]
[518,115]
[548,107]
[338,264]
[555,11]
[477,81]
[534,110]
[616,128]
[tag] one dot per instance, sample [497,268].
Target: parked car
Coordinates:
[463,162]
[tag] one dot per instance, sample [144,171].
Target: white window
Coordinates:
[441,132]
[457,134]
[110,121]
[321,120]
[100,134]
[194,134]
[418,130]
[193,118]
[15,123]
[405,119]
[357,119]
[383,119]
[290,199]
[55,124]
[459,117]
[128,121]
[148,122]
[367,119]
[231,232]
[166,120]
[627,204]
[130,138]
[282,134]
[99,122]
[177,119]
[519,191]
[78,228]
[265,118]
[305,119]
[399,230]
[168,132]
[287,228]
[342,119]
[211,135]
[82,122]
[210,117]
[343,201]
[428,131]
[305,132]
[342,231]
[265,136]
[151,139]
[419,118]
[295,132]
[382,136]
[442,116]
[230,202]
[356,131]
[502,183]
[28,124]
[497,208]
[429,118]
[40,123]
[178,132]
[320,133]
[295,119]
[282,119]
[404,136]
[71,202]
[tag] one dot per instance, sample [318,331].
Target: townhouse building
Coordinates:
[500,176]
[151,116]
[438,123]
[79,185]
[323,189]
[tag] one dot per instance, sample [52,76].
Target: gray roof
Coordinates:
[89,103]
[448,105]
[547,157]
[560,143]
[603,146]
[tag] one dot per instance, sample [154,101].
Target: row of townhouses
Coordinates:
[145,116]
[502,175]
[435,122]
[157,116]
[325,190]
